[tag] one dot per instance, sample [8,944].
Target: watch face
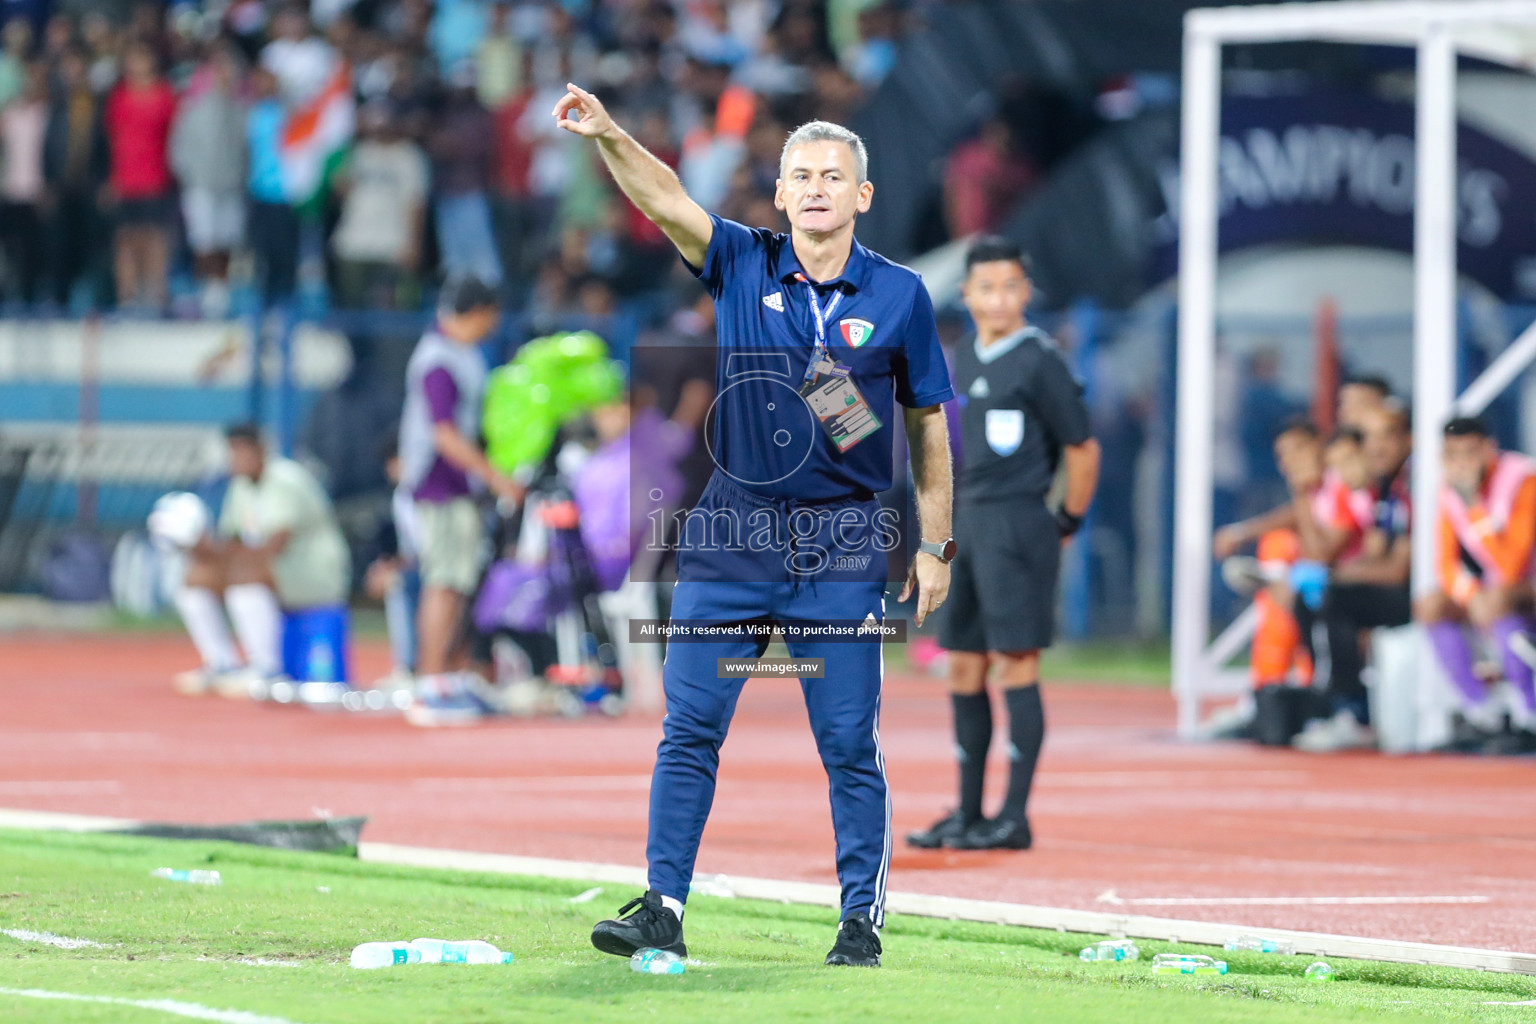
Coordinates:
[949,550]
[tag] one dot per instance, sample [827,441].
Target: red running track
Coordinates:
[90,725]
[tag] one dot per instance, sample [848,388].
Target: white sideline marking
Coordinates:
[67,787]
[537,783]
[1113,899]
[250,961]
[1170,778]
[48,938]
[171,1006]
[1525,1002]
[1062,919]
[49,821]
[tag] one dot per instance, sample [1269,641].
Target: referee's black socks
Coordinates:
[973,735]
[1026,731]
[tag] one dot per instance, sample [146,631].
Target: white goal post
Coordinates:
[1498,30]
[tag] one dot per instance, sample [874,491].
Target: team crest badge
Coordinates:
[1005,430]
[856,332]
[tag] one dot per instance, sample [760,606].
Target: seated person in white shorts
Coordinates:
[277,547]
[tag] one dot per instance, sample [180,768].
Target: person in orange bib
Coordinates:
[1487,540]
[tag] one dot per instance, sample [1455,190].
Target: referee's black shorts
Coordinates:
[1002,585]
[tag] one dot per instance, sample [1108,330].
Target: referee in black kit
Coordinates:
[1021,415]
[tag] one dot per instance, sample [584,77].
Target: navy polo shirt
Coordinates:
[763,435]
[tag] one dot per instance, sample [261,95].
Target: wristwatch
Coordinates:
[943,550]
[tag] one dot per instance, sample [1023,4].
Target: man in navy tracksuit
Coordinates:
[819,339]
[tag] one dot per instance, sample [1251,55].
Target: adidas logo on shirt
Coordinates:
[980,389]
[774,302]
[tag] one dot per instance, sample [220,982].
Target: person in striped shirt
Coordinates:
[1487,541]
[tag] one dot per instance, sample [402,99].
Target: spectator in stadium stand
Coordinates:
[277,546]
[378,240]
[461,145]
[208,155]
[514,214]
[100,41]
[75,166]
[301,60]
[500,71]
[273,225]
[1368,590]
[138,118]
[984,178]
[23,123]
[1487,539]
[15,54]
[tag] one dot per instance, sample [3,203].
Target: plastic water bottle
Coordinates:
[1110,949]
[656,961]
[1319,971]
[371,955]
[1259,944]
[473,951]
[1187,963]
[192,877]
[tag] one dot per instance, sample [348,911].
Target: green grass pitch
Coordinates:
[273,941]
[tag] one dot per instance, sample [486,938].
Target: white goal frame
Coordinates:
[1498,30]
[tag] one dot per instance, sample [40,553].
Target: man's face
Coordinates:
[245,459]
[996,293]
[1466,461]
[820,190]
[1346,457]
[1355,402]
[1299,456]
[1386,442]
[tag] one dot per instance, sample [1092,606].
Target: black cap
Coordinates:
[1466,426]
[463,294]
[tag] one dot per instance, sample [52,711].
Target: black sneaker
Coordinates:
[651,926]
[1513,743]
[993,834]
[1466,737]
[932,837]
[857,944]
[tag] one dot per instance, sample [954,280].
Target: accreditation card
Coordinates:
[839,405]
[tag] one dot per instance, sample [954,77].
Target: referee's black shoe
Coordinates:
[993,834]
[857,944]
[650,926]
[932,837]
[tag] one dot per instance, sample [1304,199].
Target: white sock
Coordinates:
[204,619]
[259,622]
[676,906]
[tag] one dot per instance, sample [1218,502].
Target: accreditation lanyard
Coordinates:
[819,318]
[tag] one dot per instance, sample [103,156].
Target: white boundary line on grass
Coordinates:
[1062,919]
[172,1006]
[50,939]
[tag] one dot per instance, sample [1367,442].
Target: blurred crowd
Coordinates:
[157,156]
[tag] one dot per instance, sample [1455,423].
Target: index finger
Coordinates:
[585,96]
[567,101]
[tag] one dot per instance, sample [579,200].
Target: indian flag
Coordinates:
[316,138]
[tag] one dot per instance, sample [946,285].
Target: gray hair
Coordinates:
[826,131]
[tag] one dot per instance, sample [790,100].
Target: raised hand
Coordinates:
[593,120]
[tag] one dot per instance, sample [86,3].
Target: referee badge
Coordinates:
[1005,430]
[856,332]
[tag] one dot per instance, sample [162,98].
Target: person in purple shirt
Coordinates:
[441,464]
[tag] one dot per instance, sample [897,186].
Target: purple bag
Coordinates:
[514,596]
